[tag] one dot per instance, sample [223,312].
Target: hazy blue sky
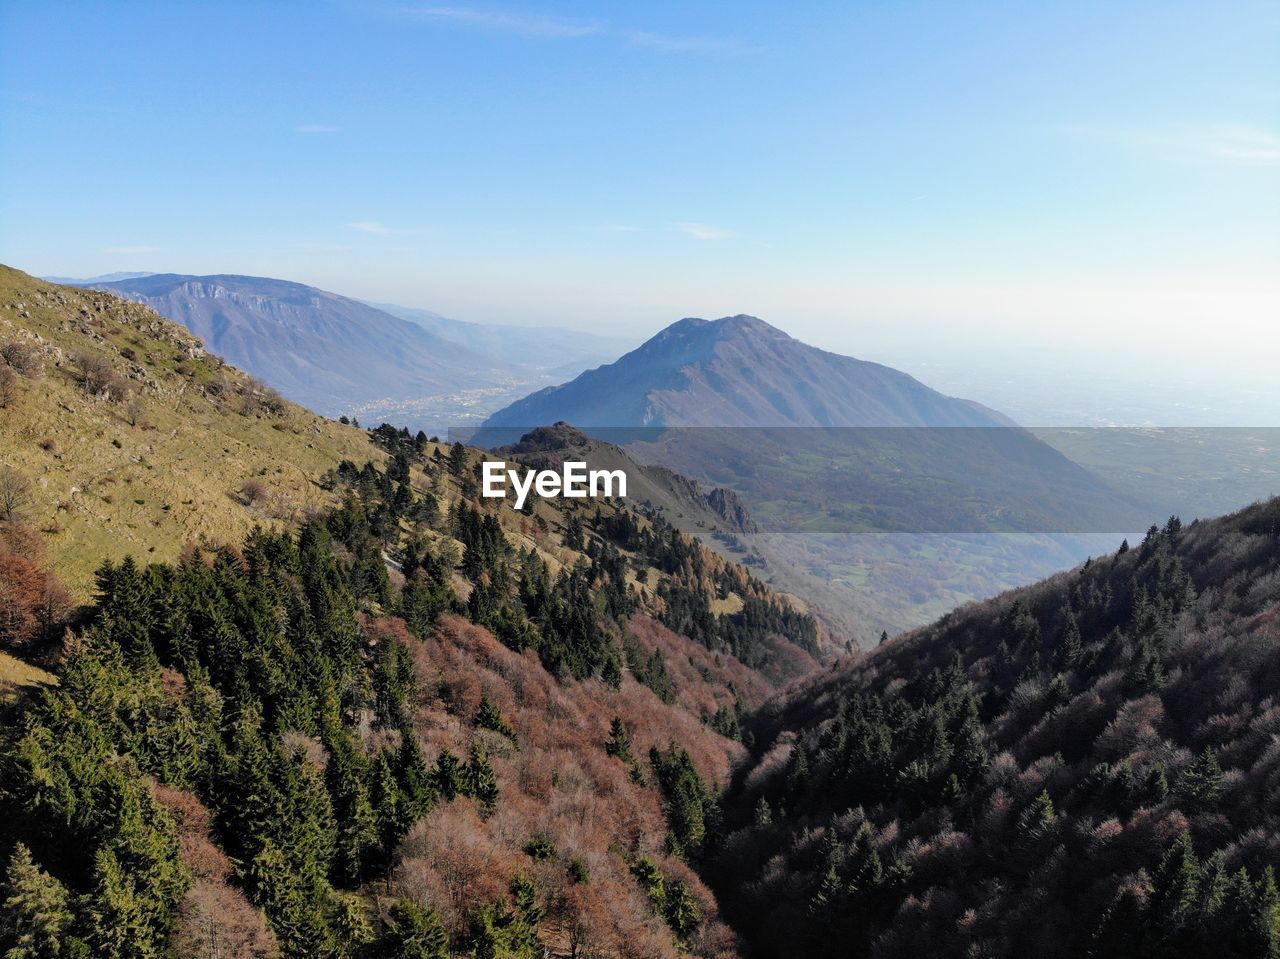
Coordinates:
[881,178]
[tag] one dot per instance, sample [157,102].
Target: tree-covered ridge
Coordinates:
[1084,767]
[317,700]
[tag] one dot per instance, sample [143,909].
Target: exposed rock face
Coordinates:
[728,505]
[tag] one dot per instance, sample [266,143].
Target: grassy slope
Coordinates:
[109,488]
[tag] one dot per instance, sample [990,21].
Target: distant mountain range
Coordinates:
[556,351]
[88,280]
[740,371]
[340,355]
[326,351]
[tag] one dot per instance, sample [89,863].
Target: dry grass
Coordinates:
[111,488]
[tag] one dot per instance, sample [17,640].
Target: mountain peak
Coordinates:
[738,323]
[740,371]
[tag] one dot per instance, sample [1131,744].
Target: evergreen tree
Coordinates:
[447,779]
[1175,892]
[489,717]
[119,913]
[35,913]
[1201,783]
[681,910]
[1037,817]
[619,744]
[414,932]
[479,779]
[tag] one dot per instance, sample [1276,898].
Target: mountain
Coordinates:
[325,351]
[314,696]
[740,371]
[556,351]
[878,499]
[90,280]
[1082,767]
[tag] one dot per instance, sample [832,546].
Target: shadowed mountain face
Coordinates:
[327,351]
[740,371]
[1084,767]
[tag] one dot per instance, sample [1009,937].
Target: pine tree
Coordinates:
[1175,891]
[1156,789]
[385,796]
[414,932]
[447,776]
[619,744]
[1201,783]
[611,671]
[417,791]
[458,460]
[481,782]
[1038,816]
[488,716]
[681,910]
[529,913]
[971,759]
[352,926]
[118,911]
[1071,652]
[35,914]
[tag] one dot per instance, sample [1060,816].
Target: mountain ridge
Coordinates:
[327,351]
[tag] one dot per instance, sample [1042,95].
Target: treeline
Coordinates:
[572,619]
[1082,769]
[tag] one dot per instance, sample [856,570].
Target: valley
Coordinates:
[306,689]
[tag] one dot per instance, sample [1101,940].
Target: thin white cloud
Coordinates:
[130,250]
[1247,145]
[381,229]
[529,25]
[1228,144]
[703,231]
[316,128]
[666,43]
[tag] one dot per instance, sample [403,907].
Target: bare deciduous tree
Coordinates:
[8,386]
[98,376]
[15,494]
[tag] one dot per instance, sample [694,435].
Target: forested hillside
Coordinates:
[1085,767]
[395,719]
[313,744]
